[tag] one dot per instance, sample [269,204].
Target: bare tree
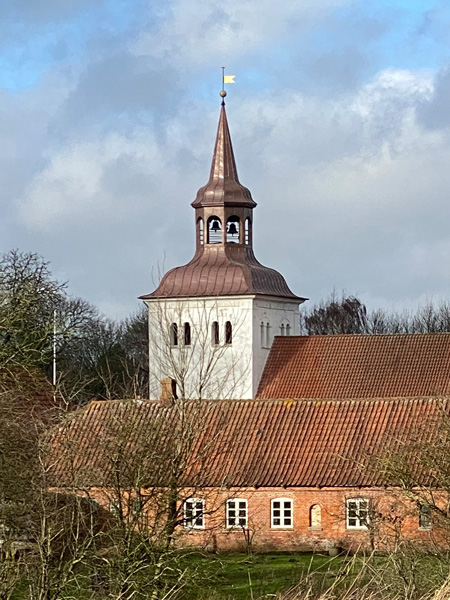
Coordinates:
[192,344]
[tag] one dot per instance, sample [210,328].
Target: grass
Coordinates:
[238,577]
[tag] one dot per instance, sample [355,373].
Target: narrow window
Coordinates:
[137,506]
[187,334]
[247,231]
[282,329]
[201,233]
[237,513]
[424,516]
[288,329]
[315,517]
[233,226]
[281,513]
[174,334]
[263,334]
[114,507]
[215,333]
[194,513]
[214,230]
[357,513]
[267,334]
[228,333]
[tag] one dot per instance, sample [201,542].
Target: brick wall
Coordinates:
[392,517]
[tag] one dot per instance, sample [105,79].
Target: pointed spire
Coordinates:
[223,186]
[223,166]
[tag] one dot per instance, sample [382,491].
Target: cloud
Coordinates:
[89,179]
[199,34]
[102,155]
[434,112]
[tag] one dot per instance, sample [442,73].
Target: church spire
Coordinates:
[223,187]
[223,166]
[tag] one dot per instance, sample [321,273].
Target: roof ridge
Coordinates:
[371,335]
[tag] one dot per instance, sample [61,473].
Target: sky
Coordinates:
[340,121]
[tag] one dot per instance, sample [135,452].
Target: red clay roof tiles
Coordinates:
[357,366]
[257,443]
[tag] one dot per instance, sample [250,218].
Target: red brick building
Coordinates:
[287,474]
[330,453]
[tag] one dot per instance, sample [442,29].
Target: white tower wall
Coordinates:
[202,368]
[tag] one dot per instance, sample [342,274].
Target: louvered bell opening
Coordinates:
[214,230]
[233,230]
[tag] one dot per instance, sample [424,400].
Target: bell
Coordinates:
[215,226]
[232,229]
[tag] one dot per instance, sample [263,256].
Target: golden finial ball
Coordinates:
[223,93]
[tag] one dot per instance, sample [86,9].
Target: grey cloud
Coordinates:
[435,112]
[119,84]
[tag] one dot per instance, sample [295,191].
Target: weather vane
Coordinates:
[225,79]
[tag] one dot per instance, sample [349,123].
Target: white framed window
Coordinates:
[281,513]
[194,513]
[357,510]
[236,513]
[425,516]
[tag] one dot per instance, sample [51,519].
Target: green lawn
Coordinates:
[232,576]
[238,577]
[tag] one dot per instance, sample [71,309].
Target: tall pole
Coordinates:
[54,348]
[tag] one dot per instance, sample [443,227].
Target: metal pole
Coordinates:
[54,347]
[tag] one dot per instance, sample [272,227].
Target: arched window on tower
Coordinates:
[228,333]
[233,226]
[174,334]
[201,232]
[215,339]
[282,330]
[265,334]
[288,329]
[247,227]
[214,230]
[187,334]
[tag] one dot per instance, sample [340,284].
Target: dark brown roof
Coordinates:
[222,271]
[357,366]
[241,443]
[223,187]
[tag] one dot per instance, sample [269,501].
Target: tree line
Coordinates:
[347,314]
[96,356]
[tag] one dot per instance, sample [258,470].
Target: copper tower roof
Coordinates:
[223,187]
[223,268]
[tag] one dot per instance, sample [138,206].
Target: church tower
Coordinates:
[213,320]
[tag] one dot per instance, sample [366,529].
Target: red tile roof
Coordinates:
[257,443]
[357,366]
